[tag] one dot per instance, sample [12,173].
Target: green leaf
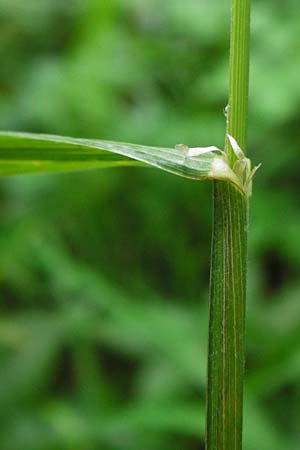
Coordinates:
[37,153]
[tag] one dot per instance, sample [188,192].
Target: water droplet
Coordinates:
[182,148]
[226,111]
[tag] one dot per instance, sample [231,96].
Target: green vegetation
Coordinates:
[226,343]
[102,332]
[22,153]
[25,153]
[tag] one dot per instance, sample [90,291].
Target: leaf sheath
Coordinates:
[227,317]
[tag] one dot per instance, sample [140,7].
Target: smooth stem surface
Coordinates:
[238,74]
[229,263]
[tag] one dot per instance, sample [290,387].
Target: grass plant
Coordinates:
[231,173]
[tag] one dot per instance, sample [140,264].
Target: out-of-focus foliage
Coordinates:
[104,275]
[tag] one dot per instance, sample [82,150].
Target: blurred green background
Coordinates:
[104,274]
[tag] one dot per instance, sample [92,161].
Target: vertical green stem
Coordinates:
[227,317]
[239,73]
[228,263]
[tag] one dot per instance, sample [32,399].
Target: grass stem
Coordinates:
[229,262]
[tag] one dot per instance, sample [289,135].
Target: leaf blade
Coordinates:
[22,153]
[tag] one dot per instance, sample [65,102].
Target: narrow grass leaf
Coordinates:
[22,153]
